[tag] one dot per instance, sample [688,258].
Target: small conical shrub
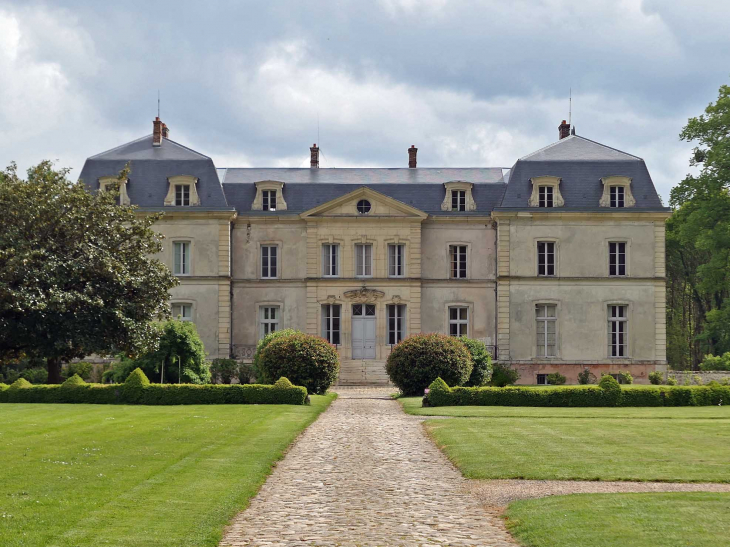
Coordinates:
[20,383]
[137,378]
[283,383]
[438,393]
[74,381]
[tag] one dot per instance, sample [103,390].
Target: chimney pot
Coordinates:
[165,131]
[314,157]
[157,131]
[412,151]
[563,130]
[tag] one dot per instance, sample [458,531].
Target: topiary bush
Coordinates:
[625,377]
[223,370]
[419,359]
[265,341]
[307,360]
[586,377]
[656,378]
[503,375]
[136,378]
[556,379]
[74,381]
[481,373]
[20,383]
[611,389]
[246,373]
[438,394]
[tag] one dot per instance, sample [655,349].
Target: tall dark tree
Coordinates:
[698,241]
[76,270]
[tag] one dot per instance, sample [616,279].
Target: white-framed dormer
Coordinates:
[545,185]
[617,192]
[106,182]
[458,197]
[274,196]
[182,191]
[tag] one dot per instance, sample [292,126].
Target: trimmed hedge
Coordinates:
[440,394]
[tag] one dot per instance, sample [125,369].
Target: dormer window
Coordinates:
[617,196]
[458,197]
[546,196]
[182,191]
[458,200]
[182,195]
[617,192]
[269,200]
[269,196]
[105,183]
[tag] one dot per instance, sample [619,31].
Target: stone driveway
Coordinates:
[365,474]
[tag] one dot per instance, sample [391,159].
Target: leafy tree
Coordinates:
[76,270]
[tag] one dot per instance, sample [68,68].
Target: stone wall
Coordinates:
[707,376]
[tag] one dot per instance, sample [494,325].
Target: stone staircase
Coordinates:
[367,372]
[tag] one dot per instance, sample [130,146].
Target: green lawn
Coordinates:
[92,475]
[696,519]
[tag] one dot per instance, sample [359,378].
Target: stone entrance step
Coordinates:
[367,372]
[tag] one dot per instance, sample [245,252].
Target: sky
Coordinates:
[257,83]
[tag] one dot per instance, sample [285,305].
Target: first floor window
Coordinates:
[546,320]
[457,258]
[545,258]
[182,312]
[542,379]
[364,259]
[269,261]
[458,200]
[182,195]
[396,260]
[396,323]
[617,196]
[331,315]
[459,321]
[269,319]
[269,200]
[546,196]
[618,330]
[330,259]
[617,258]
[181,262]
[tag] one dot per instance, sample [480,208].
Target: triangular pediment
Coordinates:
[380,206]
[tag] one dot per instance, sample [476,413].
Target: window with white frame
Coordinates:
[363,260]
[617,258]
[458,320]
[617,196]
[331,315]
[618,330]
[457,260]
[545,258]
[545,196]
[182,195]
[546,316]
[182,311]
[269,261]
[396,260]
[330,260]
[458,200]
[181,259]
[396,323]
[542,379]
[268,319]
[268,200]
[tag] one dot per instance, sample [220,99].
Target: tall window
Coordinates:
[458,321]
[546,196]
[269,261]
[545,258]
[617,258]
[269,200]
[182,195]
[269,319]
[396,323]
[183,312]
[330,260]
[617,196]
[181,262]
[458,200]
[396,260]
[364,259]
[457,259]
[546,320]
[618,330]
[331,314]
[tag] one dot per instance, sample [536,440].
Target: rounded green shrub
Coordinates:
[626,377]
[283,383]
[481,373]
[20,383]
[503,375]
[305,360]
[137,378]
[265,341]
[74,381]
[656,378]
[420,359]
[556,379]
[671,381]
[586,377]
[611,389]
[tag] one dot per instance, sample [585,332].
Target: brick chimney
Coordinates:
[412,151]
[563,130]
[157,131]
[314,158]
[165,131]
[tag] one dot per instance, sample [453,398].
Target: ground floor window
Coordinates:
[182,312]
[269,319]
[546,329]
[542,379]
[396,323]
[331,315]
[458,321]
[618,329]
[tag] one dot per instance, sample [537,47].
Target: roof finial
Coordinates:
[158,103]
[570,105]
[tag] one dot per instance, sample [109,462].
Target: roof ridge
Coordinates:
[118,147]
[203,156]
[188,149]
[569,137]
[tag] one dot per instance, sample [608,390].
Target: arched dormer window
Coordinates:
[182,191]
[458,197]
[617,192]
[269,196]
[546,192]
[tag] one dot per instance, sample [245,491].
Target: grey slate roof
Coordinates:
[580,163]
[150,167]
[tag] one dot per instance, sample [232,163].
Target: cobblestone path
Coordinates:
[365,474]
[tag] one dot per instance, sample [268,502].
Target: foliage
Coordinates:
[611,389]
[419,359]
[246,374]
[625,377]
[308,361]
[73,381]
[261,345]
[481,372]
[82,368]
[77,272]
[20,383]
[716,362]
[438,393]
[503,375]
[586,377]
[671,381]
[555,379]
[656,378]
[223,370]
[137,379]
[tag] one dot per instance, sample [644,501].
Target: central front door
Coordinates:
[363,331]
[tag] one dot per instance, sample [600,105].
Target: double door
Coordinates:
[363,331]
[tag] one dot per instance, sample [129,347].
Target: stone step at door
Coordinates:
[364,372]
